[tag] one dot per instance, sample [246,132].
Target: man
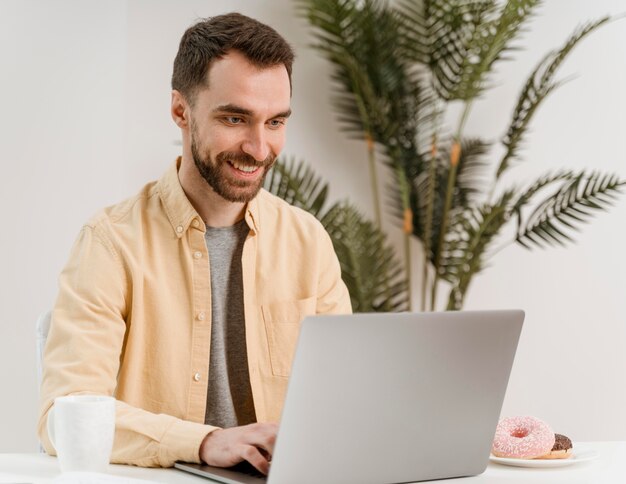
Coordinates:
[185,301]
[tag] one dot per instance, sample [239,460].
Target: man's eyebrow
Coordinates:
[234,109]
[284,114]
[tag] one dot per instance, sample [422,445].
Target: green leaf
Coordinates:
[379,95]
[470,235]
[490,43]
[526,195]
[461,40]
[536,89]
[472,172]
[374,277]
[298,185]
[428,187]
[573,204]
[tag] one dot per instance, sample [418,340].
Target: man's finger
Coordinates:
[254,457]
[265,454]
[263,437]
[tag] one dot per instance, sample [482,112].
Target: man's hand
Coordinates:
[227,447]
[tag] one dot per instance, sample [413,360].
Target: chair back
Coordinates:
[41,331]
[41,335]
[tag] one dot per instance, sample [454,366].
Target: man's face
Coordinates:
[237,126]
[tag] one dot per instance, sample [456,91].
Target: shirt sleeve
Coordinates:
[82,356]
[333,296]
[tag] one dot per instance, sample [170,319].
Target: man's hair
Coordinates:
[213,37]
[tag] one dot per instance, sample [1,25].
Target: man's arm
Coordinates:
[83,351]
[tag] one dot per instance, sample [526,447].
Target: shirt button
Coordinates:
[196,377]
[195,222]
[179,229]
[197,254]
[201,316]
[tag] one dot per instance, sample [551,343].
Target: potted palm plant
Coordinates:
[398,68]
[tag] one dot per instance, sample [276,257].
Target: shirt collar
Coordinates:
[181,213]
[252,213]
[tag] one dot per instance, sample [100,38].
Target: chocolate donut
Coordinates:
[562,448]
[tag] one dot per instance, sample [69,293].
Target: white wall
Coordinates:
[62,81]
[571,366]
[85,89]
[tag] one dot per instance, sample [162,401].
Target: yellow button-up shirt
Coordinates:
[133,315]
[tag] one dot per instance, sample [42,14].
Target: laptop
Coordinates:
[390,398]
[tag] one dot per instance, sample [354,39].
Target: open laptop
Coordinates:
[390,398]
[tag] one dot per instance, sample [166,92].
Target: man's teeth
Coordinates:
[242,167]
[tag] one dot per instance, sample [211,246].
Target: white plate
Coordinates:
[579,455]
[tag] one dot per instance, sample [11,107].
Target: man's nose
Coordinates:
[255,144]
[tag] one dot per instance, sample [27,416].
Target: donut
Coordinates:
[562,448]
[522,438]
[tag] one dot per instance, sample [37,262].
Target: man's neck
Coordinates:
[214,210]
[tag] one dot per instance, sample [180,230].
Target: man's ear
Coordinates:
[180,110]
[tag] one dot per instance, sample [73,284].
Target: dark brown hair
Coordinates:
[212,38]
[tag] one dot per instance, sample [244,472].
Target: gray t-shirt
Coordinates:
[229,397]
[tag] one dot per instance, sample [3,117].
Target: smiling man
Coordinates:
[184,302]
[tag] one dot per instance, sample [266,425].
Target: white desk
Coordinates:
[608,468]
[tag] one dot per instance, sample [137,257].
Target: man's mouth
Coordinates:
[243,167]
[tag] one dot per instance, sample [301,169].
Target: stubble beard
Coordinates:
[214,171]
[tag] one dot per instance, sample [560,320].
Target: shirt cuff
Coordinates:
[181,442]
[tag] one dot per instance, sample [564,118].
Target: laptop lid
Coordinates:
[394,398]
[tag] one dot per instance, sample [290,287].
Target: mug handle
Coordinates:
[50,426]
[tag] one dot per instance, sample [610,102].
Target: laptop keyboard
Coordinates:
[246,468]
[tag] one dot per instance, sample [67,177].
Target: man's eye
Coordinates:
[233,119]
[276,123]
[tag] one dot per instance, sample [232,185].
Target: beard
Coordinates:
[216,172]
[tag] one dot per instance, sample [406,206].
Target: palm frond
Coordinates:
[360,39]
[536,89]
[335,25]
[490,44]
[573,204]
[450,28]
[429,186]
[358,108]
[461,40]
[298,185]
[427,201]
[470,235]
[415,27]
[472,171]
[525,196]
[427,196]
[373,275]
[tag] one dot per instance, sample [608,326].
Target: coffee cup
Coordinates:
[81,429]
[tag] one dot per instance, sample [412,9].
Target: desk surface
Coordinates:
[608,468]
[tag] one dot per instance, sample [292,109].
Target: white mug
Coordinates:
[81,429]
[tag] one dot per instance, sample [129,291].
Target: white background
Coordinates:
[85,123]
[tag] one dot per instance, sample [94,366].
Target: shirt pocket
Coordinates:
[282,325]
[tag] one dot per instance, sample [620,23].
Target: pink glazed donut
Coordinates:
[522,438]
